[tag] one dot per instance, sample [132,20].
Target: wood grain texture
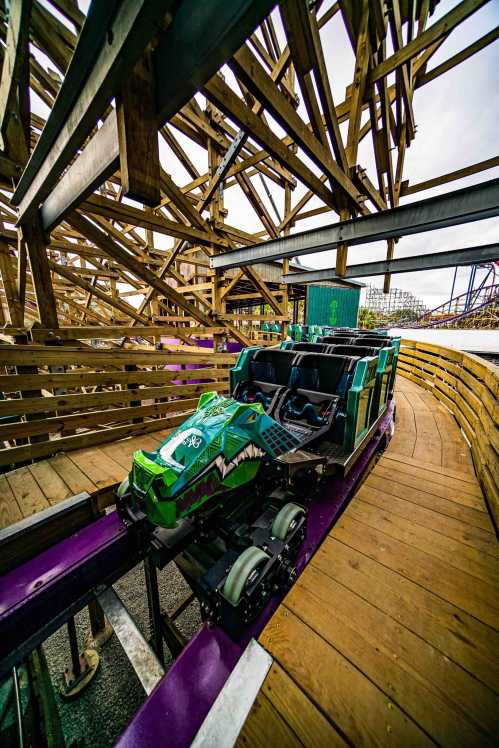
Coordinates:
[390,631]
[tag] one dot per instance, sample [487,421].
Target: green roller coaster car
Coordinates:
[218,449]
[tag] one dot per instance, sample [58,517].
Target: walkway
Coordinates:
[97,470]
[390,636]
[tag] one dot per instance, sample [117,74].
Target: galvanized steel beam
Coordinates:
[416,263]
[461,206]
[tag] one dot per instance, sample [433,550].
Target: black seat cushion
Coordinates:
[322,372]
[270,372]
[311,347]
[353,350]
[373,342]
[338,339]
[272,365]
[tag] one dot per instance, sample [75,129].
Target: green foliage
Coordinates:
[367,318]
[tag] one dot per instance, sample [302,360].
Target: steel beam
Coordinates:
[200,39]
[142,658]
[100,63]
[453,208]
[416,263]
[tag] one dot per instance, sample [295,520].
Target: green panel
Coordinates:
[338,307]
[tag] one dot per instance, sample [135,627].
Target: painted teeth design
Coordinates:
[250,452]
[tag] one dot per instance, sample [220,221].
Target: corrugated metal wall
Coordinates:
[327,305]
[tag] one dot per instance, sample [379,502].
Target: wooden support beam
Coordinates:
[138,134]
[36,245]
[260,285]
[111,301]
[10,286]
[425,77]
[95,235]
[295,19]
[466,171]
[254,77]
[390,250]
[359,86]
[436,32]
[225,99]
[15,52]
[115,210]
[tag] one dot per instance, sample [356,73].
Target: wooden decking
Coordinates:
[97,470]
[390,636]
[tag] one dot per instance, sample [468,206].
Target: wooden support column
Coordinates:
[11,288]
[32,234]
[216,215]
[390,249]
[285,265]
[342,249]
[138,135]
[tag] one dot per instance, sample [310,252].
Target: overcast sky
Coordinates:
[457,118]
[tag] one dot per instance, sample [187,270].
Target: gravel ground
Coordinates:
[100,714]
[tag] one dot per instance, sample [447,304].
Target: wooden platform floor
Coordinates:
[390,636]
[97,470]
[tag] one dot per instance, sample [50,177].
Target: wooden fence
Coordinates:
[469,387]
[60,398]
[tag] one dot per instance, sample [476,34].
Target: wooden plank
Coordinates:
[10,511]
[122,452]
[309,724]
[450,551]
[78,356]
[460,496]
[475,597]
[466,474]
[101,469]
[330,680]
[265,726]
[459,636]
[85,378]
[482,540]
[66,425]
[442,698]
[138,134]
[90,438]
[74,478]
[50,482]
[434,476]
[62,403]
[27,491]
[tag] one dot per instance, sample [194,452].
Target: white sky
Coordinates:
[457,119]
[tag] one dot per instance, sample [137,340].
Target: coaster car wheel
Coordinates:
[285,519]
[242,572]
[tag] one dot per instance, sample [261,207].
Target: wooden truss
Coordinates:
[76,253]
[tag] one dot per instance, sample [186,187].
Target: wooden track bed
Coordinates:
[390,636]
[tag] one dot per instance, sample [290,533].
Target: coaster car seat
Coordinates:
[270,371]
[353,350]
[316,398]
[311,347]
[373,342]
[340,339]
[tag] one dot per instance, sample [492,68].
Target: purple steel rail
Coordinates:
[424,320]
[175,710]
[40,594]
[473,310]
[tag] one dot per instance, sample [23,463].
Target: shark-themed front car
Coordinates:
[220,448]
[220,472]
